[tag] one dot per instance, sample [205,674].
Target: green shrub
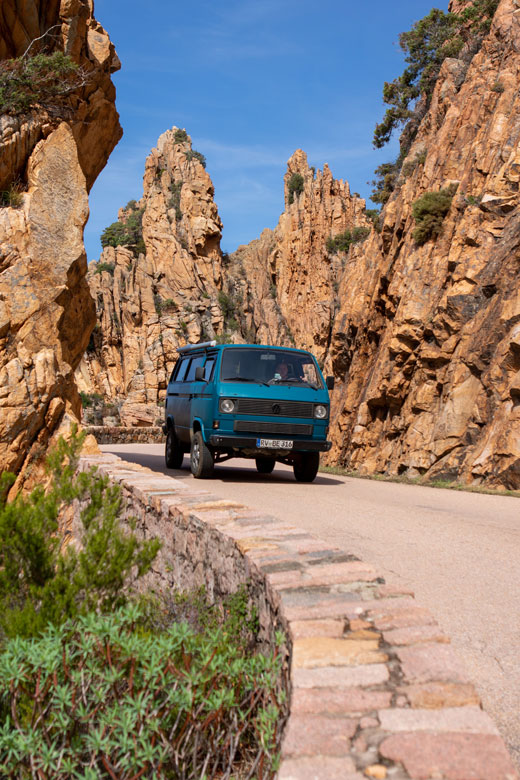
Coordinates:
[13,196]
[429,212]
[498,87]
[42,80]
[105,697]
[89,399]
[343,241]
[295,186]
[164,304]
[108,267]
[387,175]
[41,583]
[128,232]
[180,136]
[192,154]
[175,200]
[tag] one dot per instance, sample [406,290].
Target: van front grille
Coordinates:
[288,429]
[262,406]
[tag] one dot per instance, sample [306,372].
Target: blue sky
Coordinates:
[250,82]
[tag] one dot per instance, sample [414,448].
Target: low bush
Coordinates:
[106,697]
[175,200]
[42,80]
[108,267]
[180,136]
[128,232]
[89,399]
[343,241]
[429,212]
[192,154]
[42,583]
[295,186]
[13,195]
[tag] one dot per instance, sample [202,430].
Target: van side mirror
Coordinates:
[330,383]
[199,374]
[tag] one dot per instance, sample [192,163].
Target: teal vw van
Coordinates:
[249,401]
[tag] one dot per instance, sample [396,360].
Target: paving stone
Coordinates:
[398,613]
[307,735]
[310,652]
[306,628]
[338,700]
[323,575]
[341,676]
[471,720]
[302,606]
[423,663]
[438,694]
[318,768]
[450,756]
[412,635]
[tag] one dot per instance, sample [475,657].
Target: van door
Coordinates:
[177,400]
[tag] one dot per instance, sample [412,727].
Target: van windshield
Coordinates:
[270,367]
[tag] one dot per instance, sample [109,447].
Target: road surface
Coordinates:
[459,552]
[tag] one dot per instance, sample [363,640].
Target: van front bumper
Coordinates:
[249,443]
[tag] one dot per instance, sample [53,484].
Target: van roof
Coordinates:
[213,344]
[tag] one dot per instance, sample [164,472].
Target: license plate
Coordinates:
[275,444]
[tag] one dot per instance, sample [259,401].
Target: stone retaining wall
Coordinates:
[376,689]
[116,434]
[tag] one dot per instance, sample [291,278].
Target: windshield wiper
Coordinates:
[244,379]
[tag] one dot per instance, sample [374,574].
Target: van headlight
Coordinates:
[227,405]
[320,411]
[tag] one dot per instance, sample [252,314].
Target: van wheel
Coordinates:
[201,458]
[173,452]
[306,466]
[264,465]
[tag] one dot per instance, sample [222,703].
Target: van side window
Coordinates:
[181,367]
[208,368]
[195,363]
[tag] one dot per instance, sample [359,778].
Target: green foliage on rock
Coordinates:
[180,136]
[175,200]
[13,195]
[430,41]
[40,582]
[295,186]
[104,696]
[426,46]
[343,241]
[126,232]
[43,80]
[108,267]
[429,212]
[192,154]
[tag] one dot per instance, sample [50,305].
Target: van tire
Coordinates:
[306,466]
[265,465]
[201,457]
[173,452]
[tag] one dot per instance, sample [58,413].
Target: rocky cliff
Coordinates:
[286,283]
[157,288]
[426,342]
[421,331]
[54,140]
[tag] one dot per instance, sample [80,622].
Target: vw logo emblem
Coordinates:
[276,408]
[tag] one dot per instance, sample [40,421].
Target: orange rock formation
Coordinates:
[46,311]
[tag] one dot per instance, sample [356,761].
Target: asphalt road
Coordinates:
[459,552]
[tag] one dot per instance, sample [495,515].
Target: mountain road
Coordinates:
[458,551]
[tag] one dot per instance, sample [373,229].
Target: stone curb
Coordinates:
[376,689]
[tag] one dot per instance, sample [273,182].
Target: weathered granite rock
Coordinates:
[92,116]
[46,311]
[150,302]
[286,282]
[426,340]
